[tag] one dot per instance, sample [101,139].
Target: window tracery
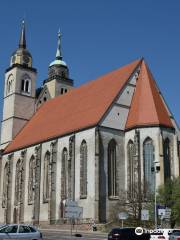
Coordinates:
[46,177]
[112,169]
[83,169]
[31,181]
[148,155]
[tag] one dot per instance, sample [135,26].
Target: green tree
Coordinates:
[169,195]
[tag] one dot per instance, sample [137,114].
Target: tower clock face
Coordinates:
[26,59]
[51,72]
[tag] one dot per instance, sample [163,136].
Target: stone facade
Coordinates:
[98,204]
[39,210]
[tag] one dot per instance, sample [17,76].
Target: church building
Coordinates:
[87,144]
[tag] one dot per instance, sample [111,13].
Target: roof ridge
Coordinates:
[153,84]
[140,64]
[151,87]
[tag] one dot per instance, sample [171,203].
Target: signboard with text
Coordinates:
[123,215]
[73,212]
[144,215]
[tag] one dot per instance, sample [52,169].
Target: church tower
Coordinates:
[58,81]
[19,92]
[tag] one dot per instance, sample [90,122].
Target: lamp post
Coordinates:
[155,169]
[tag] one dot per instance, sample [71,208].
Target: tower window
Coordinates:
[26,85]
[9,84]
[62,90]
[22,85]
[65,90]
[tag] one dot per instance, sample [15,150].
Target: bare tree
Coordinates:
[133,203]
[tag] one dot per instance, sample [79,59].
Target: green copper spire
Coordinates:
[58,52]
[58,60]
[22,41]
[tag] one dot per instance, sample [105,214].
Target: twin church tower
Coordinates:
[21,98]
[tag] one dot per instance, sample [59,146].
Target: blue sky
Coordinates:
[98,36]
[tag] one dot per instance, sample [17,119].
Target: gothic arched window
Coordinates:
[46,177]
[83,169]
[5,185]
[26,84]
[167,159]
[112,168]
[64,174]
[9,84]
[31,181]
[18,182]
[22,85]
[148,155]
[70,165]
[131,168]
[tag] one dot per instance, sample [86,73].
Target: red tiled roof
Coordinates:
[147,107]
[79,108]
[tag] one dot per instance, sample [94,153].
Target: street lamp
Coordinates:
[155,169]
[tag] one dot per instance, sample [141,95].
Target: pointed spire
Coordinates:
[58,52]
[22,41]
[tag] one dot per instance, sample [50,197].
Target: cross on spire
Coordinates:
[22,41]
[59,52]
